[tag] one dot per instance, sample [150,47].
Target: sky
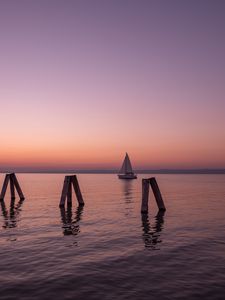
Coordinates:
[83,82]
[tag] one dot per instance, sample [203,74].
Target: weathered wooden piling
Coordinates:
[67,191]
[64,191]
[4,187]
[157,193]
[17,186]
[12,188]
[77,190]
[69,194]
[145,194]
[13,184]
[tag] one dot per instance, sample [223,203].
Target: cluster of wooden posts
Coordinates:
[71,181]
[11,178]
[145,194]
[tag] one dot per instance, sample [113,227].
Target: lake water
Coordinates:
[107,249]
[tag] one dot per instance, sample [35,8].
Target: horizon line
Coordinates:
[114,171]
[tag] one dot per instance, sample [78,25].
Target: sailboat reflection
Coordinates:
[127,189]
[11,218]
[151,233]
[70,224]
[128,196]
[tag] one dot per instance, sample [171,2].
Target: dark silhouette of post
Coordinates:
[69,194]
[4,187]
[12,188]
[17,186]
[64,191]
[13,184]
[145,194]
[67,191]
[77,190]
[157,194]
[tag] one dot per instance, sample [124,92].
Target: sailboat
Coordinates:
[126,171]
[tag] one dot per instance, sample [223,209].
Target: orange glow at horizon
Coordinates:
[110,155]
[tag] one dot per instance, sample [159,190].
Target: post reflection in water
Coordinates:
[70,224]
[151,232]
[11,217]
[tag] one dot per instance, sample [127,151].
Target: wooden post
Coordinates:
[13,184]
[77,190]
[4,187]
[67,191]
[17,186]
[64,191]
[12,188]
[157,194]
[69,194]
[145,194]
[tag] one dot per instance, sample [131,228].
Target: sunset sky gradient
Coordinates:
[82,82]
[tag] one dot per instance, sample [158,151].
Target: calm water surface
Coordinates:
[107,249]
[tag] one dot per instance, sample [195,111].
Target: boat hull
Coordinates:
[127,176]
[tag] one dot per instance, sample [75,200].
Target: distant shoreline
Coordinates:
[160,171]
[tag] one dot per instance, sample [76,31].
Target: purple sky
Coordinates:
[82,82]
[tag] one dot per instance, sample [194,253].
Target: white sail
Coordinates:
[126,166]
